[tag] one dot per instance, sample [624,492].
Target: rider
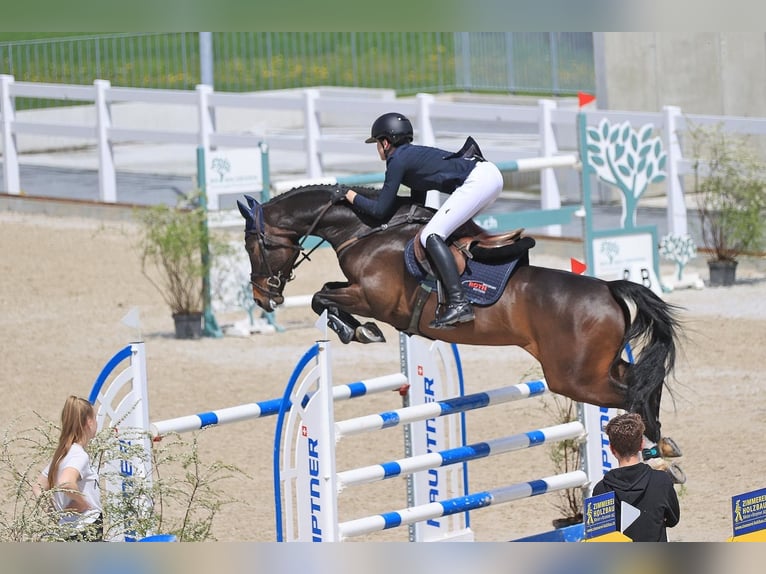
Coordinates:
[471,182]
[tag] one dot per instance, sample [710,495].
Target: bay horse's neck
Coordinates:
[305,212]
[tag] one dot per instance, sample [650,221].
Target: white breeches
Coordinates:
[479,190]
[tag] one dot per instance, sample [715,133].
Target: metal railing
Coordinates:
[539,63]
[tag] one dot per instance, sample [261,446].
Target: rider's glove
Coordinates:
[338,196]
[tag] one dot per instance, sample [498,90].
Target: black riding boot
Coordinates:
[457,309]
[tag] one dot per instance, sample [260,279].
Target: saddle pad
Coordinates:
[483,283]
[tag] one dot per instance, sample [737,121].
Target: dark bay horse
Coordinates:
[576,326]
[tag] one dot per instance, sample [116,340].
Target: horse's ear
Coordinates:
[245,211]
[251,201]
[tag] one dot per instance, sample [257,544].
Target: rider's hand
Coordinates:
[338,196]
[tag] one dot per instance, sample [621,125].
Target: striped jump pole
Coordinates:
[537,163]
[376,523]
[131,411]
[270,407]
[405,466]
[439,409]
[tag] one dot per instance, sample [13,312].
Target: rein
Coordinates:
[392,223]
[305,256]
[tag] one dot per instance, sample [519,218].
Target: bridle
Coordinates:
[275,282]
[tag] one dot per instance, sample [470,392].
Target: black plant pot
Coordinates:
[722,273]
[188,325]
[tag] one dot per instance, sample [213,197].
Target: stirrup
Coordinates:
[447,316]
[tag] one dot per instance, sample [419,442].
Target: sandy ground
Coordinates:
[67,282]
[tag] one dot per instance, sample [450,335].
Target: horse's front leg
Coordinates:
[340,299]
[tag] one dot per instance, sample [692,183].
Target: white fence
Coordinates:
[320,127]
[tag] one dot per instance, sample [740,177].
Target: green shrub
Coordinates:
[180,497]
[730,185]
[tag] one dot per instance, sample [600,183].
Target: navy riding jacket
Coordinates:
[420,168]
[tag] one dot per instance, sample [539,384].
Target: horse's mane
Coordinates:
[326,187]
[403,203]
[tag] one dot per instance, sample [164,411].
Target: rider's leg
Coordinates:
[457,308]
[480,189]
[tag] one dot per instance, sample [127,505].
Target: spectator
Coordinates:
[635,482]
[76,497]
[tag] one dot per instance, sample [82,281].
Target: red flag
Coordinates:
[578,267]
[584,99]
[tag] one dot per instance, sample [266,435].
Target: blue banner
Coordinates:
[749,512]
[599,515]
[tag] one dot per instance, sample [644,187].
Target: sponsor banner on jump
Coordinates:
[599,515]
[749,512]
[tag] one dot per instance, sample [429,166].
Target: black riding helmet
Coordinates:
[394,127]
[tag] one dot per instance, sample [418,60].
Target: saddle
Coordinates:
[481,246]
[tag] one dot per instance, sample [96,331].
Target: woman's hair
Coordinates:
[626,433]
[74,420]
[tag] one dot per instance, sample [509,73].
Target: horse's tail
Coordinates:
[652,335]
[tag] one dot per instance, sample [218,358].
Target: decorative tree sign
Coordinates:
[680,249]
[628,160]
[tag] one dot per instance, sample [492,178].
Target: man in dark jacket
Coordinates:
[650,491]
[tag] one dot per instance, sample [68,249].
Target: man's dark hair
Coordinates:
[626,434]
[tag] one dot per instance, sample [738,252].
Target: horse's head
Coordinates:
[272,253]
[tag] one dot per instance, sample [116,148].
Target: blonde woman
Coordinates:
[76,495]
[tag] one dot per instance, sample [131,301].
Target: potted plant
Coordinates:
[730,186]
[176,257]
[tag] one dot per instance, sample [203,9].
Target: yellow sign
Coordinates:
[610,537]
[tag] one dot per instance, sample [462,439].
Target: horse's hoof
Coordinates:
[369,333]
[675,472]
[669,448]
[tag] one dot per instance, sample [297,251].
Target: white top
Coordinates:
[87,484]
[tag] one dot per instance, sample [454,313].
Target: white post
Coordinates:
[425,127]
[313,133]
[317,491]
[205,117]
[550,197]
[425,133]
[597,458]
[123,404]
[206,128]
[433,376]
[107,177]
[10,151]
[677,221]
